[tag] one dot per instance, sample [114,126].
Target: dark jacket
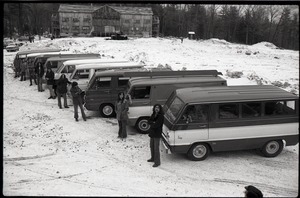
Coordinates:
[39,70]
[156,124]
[77,94]
[62,85]
[50,77]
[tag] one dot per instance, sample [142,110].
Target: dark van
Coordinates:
[103,87]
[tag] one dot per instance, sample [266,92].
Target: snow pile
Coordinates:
[216,41]
[264,45]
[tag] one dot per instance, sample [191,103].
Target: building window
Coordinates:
[65,28]
[85,27]
[86,20]
[65,19]
[75,20]
[126,21]
[75,27]
[147,21]
[137,21]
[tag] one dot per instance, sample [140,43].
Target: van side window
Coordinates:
[228,111]
[195,113]
[81,74]
[102,83]
[140,92]
[122,82]
[280,108]
[251,109]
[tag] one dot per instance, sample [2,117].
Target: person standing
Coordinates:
[50,81]
[39,71]
[62,90]
[17,63]
[23,70]
[121,109]
[77,100]
[31,72]
[156,122]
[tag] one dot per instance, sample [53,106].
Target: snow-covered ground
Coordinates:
[45,152]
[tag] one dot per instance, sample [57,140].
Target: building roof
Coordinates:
[133,10]
[233,94]
[91,8]
[77,8]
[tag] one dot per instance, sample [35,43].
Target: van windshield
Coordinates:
[173,109]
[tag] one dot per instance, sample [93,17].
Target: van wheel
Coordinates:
[198,152]
[107,110]
[142,125]
[272,148]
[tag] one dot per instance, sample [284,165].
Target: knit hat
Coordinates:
[253,192]
[74,84]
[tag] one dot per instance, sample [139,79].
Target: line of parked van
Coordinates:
[202,113]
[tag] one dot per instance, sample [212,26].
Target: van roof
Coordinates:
[87,61]
[153,73]
[73,57]
[41,54]
[233,94]
[37,51]
[158,80]
[110,65]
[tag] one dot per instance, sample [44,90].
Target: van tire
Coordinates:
[142,125]
[198,152]
[272,148]
[107,110]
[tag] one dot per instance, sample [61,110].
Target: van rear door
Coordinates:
[192,125]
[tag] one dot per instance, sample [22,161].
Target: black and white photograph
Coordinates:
[150,99]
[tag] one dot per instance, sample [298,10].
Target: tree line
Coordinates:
[246,24]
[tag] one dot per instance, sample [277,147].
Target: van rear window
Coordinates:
[275,108]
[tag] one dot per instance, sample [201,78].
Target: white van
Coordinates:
[83,73]
[68,66]
[146,92]
[204,119]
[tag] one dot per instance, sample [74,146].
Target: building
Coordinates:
[86,20]
[132,21]
[75,20]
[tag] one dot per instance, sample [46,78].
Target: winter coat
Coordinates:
[62,85]
[17,63]
[50,76]
[156,124]
[77,95]
[39,70]
[23,67]
[121,109]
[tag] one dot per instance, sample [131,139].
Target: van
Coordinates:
[211,119]
[145,92]
[104,86]
[83,73]
[56,61]
[68,66]
[23,54]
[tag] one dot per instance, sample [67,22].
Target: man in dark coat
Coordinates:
[39,70]
[50,81]
[17,62]
[156,122]
[77,100]
[62,90]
